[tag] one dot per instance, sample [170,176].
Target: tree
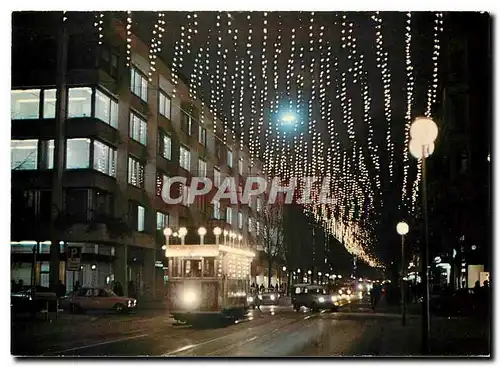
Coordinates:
[269,234]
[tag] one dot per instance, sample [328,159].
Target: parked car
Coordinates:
[315,297]
[28,299]
[98,299]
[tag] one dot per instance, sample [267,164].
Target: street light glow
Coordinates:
[424,131]
[402,228]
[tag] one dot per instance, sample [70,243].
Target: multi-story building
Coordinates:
[125,133]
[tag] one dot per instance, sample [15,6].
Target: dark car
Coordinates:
[315,297]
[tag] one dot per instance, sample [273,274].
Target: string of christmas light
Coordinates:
[382,65]
[129,37]
[263,93]
[409,103]
[155,47]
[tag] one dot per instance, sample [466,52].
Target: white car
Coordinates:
[98,299]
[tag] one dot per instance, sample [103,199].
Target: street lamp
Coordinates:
[402,229]
[217,232]
[225,236]
[182,234]
[240,239]
[423,132]
[202,231]
[167,232]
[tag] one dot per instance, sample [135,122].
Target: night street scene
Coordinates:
[251,184]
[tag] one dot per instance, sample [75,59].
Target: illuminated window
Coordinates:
[185,158]
[49,103]
[135,172]
[216,210]
[240,220]
[106,109]
[230,158]
[165,145]
[24,154]
[161,220]
[79,102]
[240,166]
[202,135]
[104,159]
[250,224]
[216,177]
[165,105]
[138,84]
[77,153]
[202,168]
[137,128]
[229,215]
[25,104]
[186,123]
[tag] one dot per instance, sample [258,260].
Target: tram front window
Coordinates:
[192,268]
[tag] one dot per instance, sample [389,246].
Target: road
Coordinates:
[276,332]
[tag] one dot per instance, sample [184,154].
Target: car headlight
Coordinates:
[189,298]
[349,291]
[260,297]
[272,297]
[360,287]
[129,303]
[334,298]
[340,291]
[250,299]
[321,299]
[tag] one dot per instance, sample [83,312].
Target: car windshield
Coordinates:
[111,293]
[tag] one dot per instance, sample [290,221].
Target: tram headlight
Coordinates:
[189,298]
[334,298]
[349,292]
[340,291]
[260,297]
[250,299]
[321,299]
[272,297]
[360,287]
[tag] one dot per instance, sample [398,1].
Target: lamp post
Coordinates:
[423,132]
[225,236]
[240,239]
[167,232]
[182,234]
[202,231]
[402,229]
[217,232]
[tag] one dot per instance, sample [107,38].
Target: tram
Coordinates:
[208,282]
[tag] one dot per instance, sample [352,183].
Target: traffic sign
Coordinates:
[73,258]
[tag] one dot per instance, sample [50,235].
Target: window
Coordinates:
[257,227]
[79,102]
[161,221]
[186,123]
[228,215]
[230,158]
[141,213]
[185,158]
[138,84]
[138,128]
[240,220]
[25,104]
[24,154]
[135,172]
[202,168]
[216,177]
[49,103]
[108,61]
[77,153]
[106,109]
[161,178]
[259,204]
[165,145]
[240,166]
[165,105]
[202,135]
[47,154]
[250,225]
[217,210]
[104,159]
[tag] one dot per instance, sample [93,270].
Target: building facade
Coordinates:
[125,133]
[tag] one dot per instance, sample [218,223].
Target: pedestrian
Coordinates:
[257,303]
[61,289]
[77,286]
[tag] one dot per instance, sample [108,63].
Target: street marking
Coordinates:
[101,343]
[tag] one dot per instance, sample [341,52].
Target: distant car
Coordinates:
[315,297]
[98,299]
[269,297]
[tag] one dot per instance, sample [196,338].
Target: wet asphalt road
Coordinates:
[277,331]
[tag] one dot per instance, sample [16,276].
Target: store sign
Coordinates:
[73,258]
